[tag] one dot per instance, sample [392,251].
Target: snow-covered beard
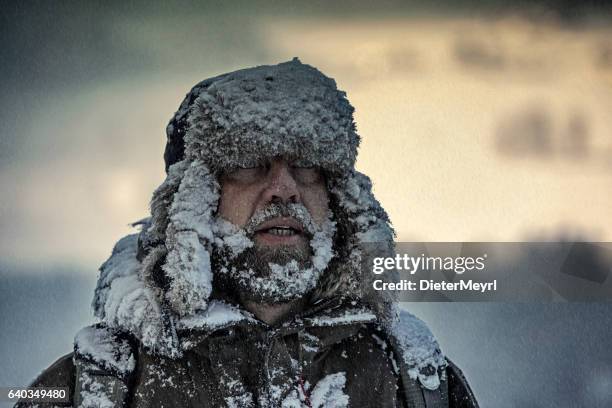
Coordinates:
[267,274]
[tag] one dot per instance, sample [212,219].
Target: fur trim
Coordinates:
[160,205]
[122,263]
[106,348]
[188,237]
[366,233]
[123,301]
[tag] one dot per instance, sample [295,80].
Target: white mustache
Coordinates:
[296,211]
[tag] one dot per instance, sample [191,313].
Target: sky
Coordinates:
[476,126]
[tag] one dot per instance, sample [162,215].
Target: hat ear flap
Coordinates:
[161,201]
[188,238]
[364,232]
[152,239]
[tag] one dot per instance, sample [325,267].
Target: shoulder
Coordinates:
[59,374]
[422,362]
[418,351]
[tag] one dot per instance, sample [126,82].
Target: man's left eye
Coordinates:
[306,174]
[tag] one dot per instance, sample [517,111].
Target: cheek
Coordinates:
[235,205]
[316,200]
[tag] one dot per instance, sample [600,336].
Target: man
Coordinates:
[244,287]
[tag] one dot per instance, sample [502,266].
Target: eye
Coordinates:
[247,173]
[306,173]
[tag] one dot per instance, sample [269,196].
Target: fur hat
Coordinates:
[279,110]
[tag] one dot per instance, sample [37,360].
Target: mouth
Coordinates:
[280,231]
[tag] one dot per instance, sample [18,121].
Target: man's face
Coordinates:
[245,191]
[283,210]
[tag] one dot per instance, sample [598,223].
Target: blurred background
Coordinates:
[481,121]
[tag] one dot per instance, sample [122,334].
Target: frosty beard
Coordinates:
[271,275]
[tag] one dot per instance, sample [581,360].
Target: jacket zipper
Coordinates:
[306,394]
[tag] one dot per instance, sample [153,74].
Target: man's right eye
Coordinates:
[247,174]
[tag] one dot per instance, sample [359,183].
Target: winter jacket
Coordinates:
[167,339]
[333,358]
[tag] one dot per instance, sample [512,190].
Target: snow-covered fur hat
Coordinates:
[286,109]
[238,119]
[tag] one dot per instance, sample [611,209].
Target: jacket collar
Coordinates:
[222,316]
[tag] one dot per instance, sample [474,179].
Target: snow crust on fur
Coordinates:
[121,263]
[371,236]
[122,300]
[191,223]
[100,345]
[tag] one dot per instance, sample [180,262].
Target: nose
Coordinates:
[281,187]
